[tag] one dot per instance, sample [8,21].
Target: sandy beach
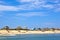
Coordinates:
[14,32]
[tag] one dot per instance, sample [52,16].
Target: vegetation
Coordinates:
[19,28]
[39,29]
[26,29]
[6,28]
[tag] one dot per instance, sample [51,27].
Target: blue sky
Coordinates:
[30,13]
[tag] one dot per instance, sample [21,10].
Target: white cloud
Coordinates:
[49,6]
[30,14]
[57,8]
[25,0]
[38,4]
[8,8]
[30,5]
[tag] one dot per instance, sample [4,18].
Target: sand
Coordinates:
[14,32]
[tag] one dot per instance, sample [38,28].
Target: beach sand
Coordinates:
[14,32]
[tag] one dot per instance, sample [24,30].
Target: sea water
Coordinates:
[32,37]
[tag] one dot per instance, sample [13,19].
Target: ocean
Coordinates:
[32,37]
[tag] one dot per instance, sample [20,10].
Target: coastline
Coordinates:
[15,32]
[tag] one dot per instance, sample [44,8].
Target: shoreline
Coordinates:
[15,32]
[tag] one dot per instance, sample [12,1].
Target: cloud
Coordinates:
[30,14]
[57,8]
[8,8]
[30,5]
[38,4]
[25,0]
[48,6]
